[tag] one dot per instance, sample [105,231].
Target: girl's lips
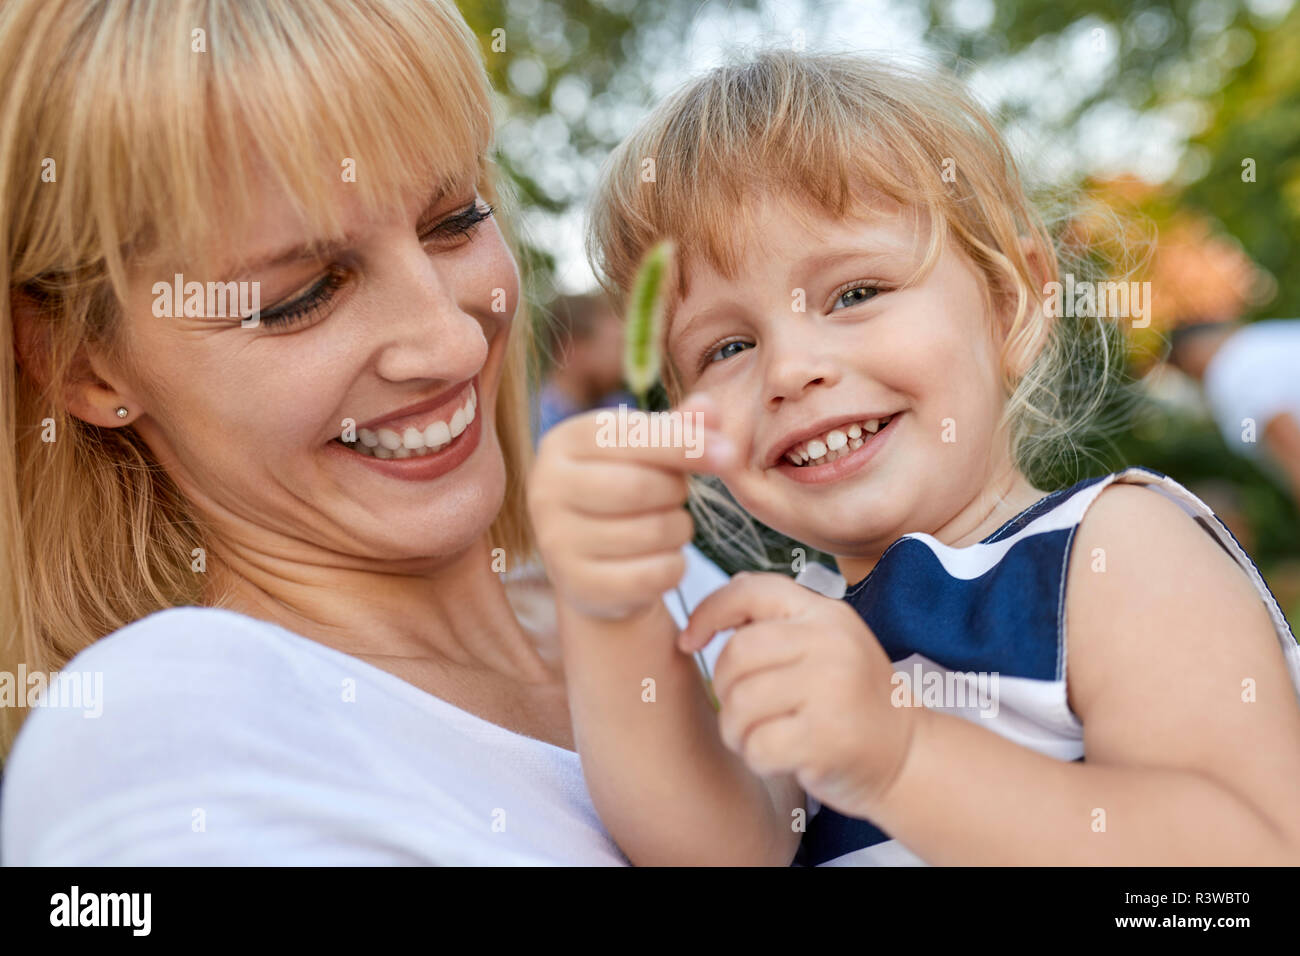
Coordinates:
[424,467]
[843,466]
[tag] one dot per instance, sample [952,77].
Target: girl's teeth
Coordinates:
[837,444]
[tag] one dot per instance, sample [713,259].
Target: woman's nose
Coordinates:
[424,328]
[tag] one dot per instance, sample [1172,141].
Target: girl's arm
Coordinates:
[611,527]
[666,788]
[1191,722]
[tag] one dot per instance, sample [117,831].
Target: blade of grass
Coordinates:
[642,361]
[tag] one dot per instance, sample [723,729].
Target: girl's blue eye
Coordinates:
[721,352]
[859,293]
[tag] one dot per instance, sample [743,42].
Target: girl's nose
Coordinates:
[794,367]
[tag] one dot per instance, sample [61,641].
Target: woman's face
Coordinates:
[402,329]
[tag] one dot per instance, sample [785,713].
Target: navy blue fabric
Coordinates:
[1005,621]
[831,835]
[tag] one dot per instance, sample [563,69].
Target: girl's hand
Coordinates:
[805,689]
[609,519]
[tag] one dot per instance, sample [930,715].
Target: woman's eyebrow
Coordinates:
[310,250]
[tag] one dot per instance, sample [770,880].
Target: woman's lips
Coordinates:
[424,467]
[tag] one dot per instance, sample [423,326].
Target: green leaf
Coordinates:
[645,321]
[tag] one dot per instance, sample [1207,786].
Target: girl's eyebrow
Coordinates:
[824,260]
[812,263]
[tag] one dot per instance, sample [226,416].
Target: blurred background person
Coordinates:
[1251,378]
[586,353]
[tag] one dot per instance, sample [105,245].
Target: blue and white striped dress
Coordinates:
[997,609]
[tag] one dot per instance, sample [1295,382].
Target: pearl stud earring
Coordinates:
[122,412]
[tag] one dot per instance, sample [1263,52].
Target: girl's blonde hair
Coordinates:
[128,127]
[826,129]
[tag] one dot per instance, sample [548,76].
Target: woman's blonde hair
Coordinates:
[826,130]
[119,121]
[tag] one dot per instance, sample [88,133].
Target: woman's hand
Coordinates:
[609,517]
[805,689]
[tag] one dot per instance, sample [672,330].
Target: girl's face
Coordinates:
[815,345]
[399,329]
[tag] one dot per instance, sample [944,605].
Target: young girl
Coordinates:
[1093,676]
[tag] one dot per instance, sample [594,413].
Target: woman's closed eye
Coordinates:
[448,232]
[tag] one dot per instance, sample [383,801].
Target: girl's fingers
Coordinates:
[675,441]
[775,745]
[624,583]
[621,488]
[745,599]
[753,650]
[762,697]
[643,534]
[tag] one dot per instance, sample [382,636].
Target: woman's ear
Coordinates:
[87,394]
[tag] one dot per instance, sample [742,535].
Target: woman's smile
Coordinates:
[421,445]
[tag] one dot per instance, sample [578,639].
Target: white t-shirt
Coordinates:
[225,740]
[1255,375]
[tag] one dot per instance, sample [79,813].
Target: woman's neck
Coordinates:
[454,614]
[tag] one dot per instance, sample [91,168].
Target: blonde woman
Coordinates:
[264,426]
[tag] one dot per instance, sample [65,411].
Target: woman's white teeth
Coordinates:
[437,435]
[837,443]
[415,442]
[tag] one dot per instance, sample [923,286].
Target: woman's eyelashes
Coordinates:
[307,304]
[450,231]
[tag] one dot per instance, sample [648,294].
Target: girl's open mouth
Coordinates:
[841,451]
